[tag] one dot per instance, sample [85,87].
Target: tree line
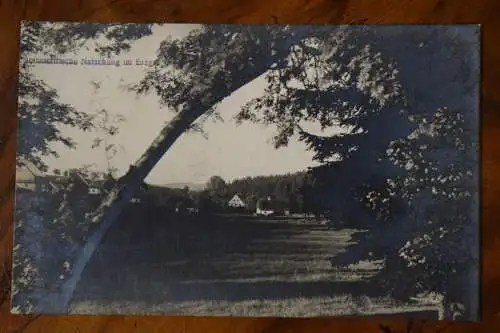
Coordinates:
[291,191]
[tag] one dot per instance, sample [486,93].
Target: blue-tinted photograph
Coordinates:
[248,170]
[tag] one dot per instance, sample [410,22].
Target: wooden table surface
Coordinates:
[253,11]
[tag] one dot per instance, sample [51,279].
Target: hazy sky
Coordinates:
[230,151]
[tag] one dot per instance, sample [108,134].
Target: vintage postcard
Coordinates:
[248,170]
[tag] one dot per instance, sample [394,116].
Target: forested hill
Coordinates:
[291,190]
[280,186]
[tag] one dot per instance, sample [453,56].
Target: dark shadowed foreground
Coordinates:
[154,263]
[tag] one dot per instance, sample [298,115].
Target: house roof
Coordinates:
[236,201]
[82,178]
[56,180]
[32,168]
[236,197]
[88,182]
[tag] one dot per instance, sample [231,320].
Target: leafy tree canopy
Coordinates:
[40,111]
[407,98]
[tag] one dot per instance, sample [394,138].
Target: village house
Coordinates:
[85,194]
[236,202]
[267,206]
[81,192]
[31,178]
[102,187]
[264,207]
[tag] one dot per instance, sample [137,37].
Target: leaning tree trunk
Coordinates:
[119,196]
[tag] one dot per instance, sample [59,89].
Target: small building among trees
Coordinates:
[271,206]
[31,178]
[236,202]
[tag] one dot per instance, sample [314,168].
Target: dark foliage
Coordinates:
[406,165]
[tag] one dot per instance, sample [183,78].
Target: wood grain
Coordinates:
[253,11]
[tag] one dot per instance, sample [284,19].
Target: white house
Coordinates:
[264,207]
[236,202]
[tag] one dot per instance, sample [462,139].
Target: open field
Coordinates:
[227,265]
